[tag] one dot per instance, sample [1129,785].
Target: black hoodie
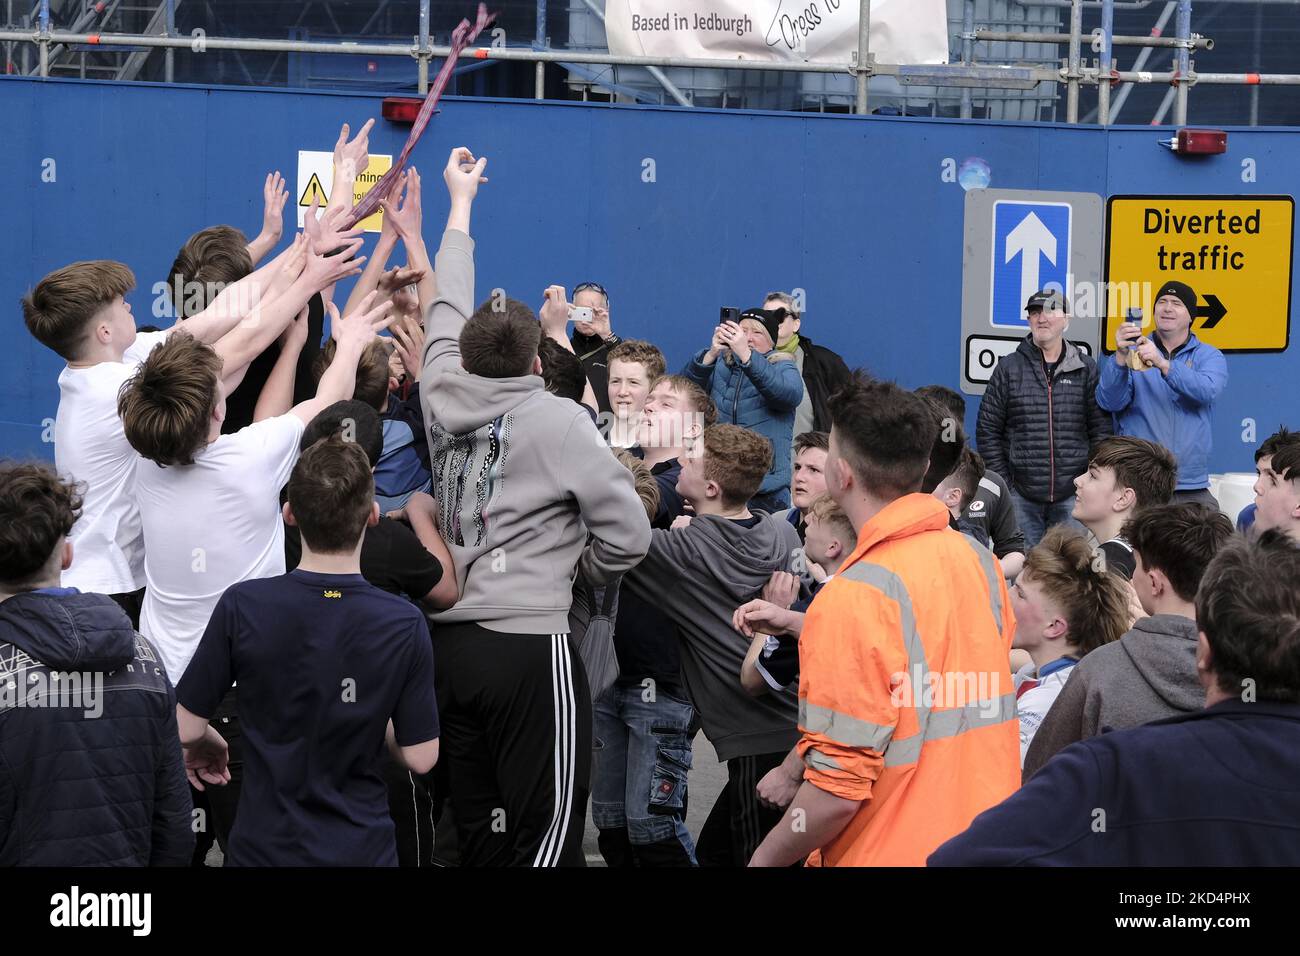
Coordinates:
[90,760]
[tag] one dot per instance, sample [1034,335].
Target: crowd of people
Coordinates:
[421,589]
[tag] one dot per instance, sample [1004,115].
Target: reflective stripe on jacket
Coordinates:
[905,692]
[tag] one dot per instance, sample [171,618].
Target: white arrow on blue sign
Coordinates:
[1031,251]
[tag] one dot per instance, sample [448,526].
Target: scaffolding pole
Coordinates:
[967,53]
[422,58]
[1072,74]
[864,61]
[1183,24]
[1107,63]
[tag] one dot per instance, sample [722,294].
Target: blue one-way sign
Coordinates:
[1031,251]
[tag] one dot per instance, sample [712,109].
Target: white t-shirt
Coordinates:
[1035,694]
[210,525]
[90,447]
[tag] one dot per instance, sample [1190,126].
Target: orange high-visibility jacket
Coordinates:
[905,693]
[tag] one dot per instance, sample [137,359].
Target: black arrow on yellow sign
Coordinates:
[1213,311]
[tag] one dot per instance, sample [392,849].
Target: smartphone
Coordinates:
[1134,316]
[728,315]
[580,313]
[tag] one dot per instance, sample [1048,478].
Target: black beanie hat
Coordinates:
[1181,291]
[768,318]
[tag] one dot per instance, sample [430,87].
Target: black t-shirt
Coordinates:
[1119,557]
[992,510]
[243,400]
[323,662]
[645,638]
[392,559]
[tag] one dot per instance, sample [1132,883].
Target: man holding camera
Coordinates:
[593,338]
[755,386]
[1162,388]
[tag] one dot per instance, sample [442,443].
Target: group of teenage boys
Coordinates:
[445,586]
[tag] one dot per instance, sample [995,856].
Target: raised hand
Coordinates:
[398,278]
[327,232]
[407,218]
[736,340]
[408,337]
[274,197]
[554,313]
[322,270]
[353,156]
[360,326]
[463,174]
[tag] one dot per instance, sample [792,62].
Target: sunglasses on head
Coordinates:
[593,286]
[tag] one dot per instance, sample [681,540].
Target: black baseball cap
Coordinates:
[1047,297]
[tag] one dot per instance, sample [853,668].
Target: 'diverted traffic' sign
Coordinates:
[1235,251]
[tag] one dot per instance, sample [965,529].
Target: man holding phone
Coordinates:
[756,387]
[1171,400]
[593,338]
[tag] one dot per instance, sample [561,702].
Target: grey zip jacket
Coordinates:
[1148,674]
[526,488]
[699,575]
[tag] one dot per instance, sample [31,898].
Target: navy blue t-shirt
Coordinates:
[323,662]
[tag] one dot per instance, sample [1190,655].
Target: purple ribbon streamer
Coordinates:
[461,37]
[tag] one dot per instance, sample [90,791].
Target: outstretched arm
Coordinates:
[455,301]
[408,222]
[353,333]
[251,337]
[273,199]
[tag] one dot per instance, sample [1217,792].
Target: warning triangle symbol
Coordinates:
[313,188]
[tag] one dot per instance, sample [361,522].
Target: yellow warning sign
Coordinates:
[364,183]
[1235,251]
[314,191]
[316,177]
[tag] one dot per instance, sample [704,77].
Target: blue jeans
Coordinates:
[1036,517]
[643,753]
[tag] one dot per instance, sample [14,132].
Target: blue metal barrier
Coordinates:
[675,211]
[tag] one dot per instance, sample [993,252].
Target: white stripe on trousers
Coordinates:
[548,854]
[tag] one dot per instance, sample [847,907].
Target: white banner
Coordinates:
[902,31]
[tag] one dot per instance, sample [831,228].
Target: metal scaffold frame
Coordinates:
[1075,73]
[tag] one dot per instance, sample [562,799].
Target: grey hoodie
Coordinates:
[699,575]
[1148,674]
[522,479]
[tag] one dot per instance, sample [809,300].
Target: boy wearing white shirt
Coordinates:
[1065,607]
[80,312]
[210,502]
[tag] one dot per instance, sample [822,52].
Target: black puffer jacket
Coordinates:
[1036,435]
[824,373]
[90,776]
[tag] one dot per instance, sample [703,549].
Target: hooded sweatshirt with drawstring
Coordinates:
[527,490]
[1148,674]
[699,575]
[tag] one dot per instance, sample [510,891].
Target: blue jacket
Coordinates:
[1217,787]
[93,777]
[1172,410]
[761,395]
